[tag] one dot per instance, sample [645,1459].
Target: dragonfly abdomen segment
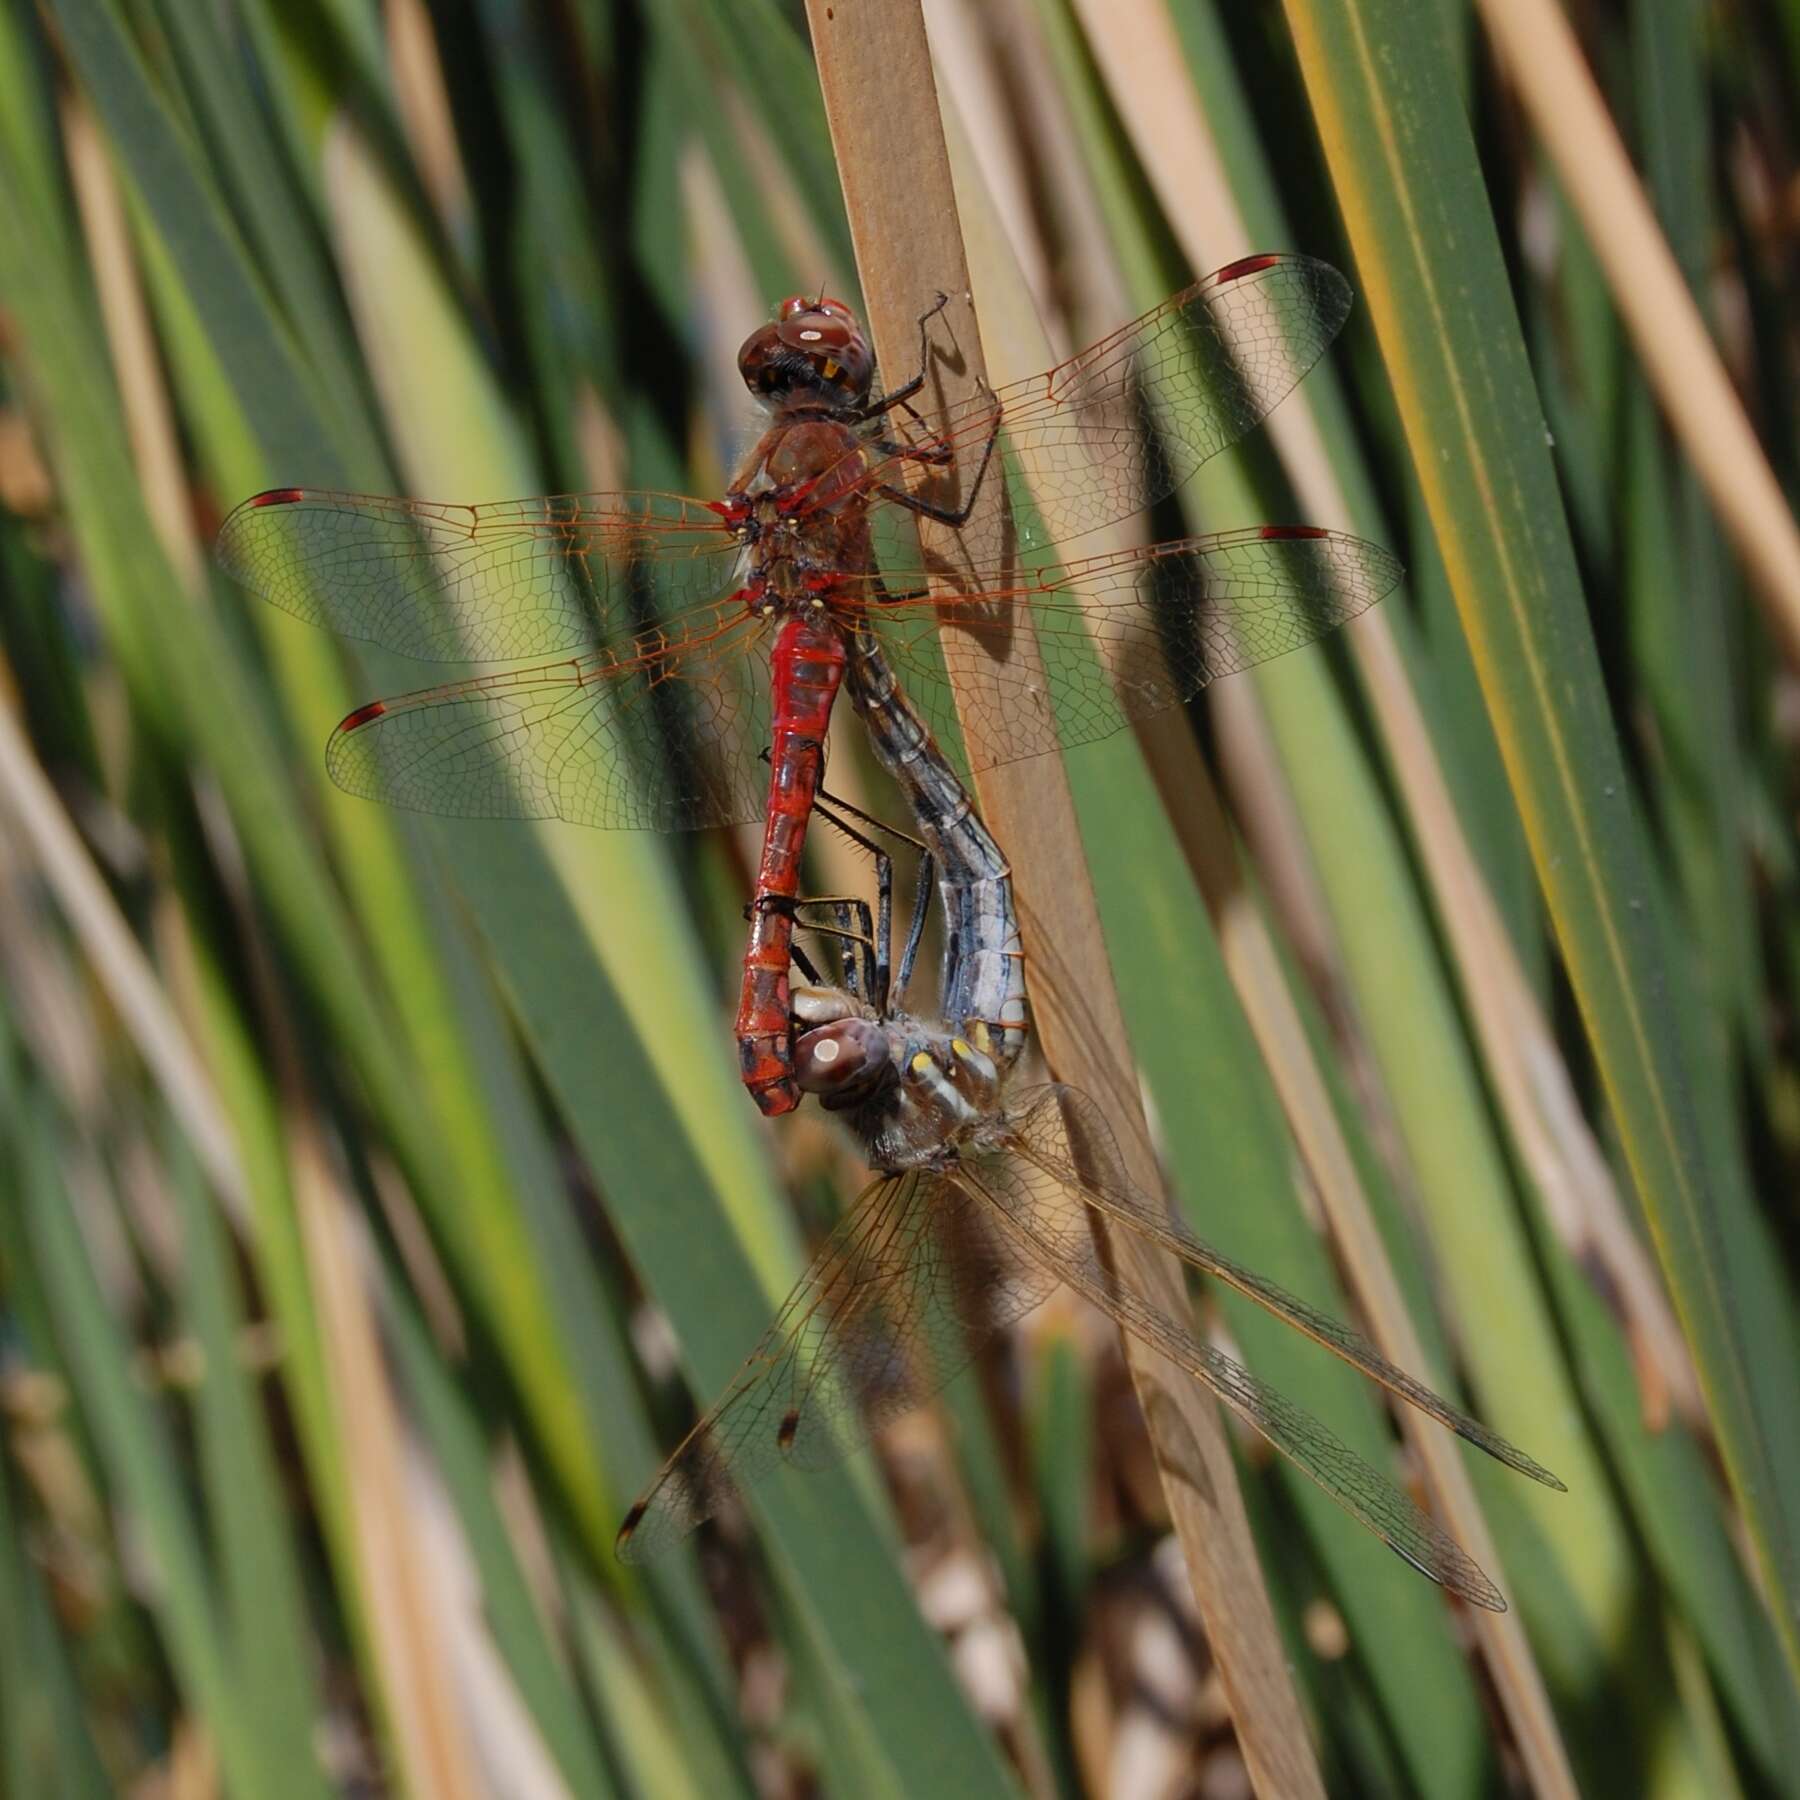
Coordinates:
[984,968]
[807,666]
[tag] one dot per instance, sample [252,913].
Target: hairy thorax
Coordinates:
[803,498]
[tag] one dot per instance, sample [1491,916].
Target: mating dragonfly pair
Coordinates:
[692,640]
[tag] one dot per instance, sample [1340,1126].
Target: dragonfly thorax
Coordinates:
[800,503]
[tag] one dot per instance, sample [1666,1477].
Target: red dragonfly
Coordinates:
[690,638]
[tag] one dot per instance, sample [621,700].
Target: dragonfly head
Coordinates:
[843,1062]
[814,354]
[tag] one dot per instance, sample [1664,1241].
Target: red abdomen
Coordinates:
[807,666]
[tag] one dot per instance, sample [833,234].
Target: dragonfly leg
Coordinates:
[831,811]
[850,810]
[936,450]
[887,998]
[905,392]
[909,953]
[844,926]
[949,515]
[814,979]
[852,924]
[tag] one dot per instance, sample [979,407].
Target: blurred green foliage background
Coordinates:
[376,1196]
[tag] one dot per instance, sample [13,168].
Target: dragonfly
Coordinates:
[682,656]
[981,1203]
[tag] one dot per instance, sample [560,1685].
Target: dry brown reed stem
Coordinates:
[51,835]
[423,106]
[144,397]
[403,1616]
[1257,976]
[1539,52]
[1142,62]
[881,103]
[1140,59]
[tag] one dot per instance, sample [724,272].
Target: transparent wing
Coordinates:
[1121,635]
[492,583]
[1097,438]
[664,733]
[1040,1122]
[1049,1218]
[896,1302]
[1123,423]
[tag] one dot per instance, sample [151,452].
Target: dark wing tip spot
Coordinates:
[288,496]
[790,1428]
[1295,531]
[363,714]
[1247,265]
[625,1530]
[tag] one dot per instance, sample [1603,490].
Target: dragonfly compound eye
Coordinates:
[844,1054]
[796,304]
[829,342]
[762,360]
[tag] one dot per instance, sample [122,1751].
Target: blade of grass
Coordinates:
[1688,1543]
[259,1576]
[1579,359]
[880,99]
[1538,50]
[1681,614]
[1061,1441]
[143,1468]
[779,80]
[599,955]
[1400,156]
[223,1037]
[774,273]
[143,399]
[191,682]
[654,1759]
[450,1426]
[265,195]
[58,851]
[1232,1163]
[46,1743]
[403,1607]
[1182,151]
[165,168]
[568,311]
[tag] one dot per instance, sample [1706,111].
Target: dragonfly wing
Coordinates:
[898,1300]
[1120,636]
[1124,422]
[492,583]
[667,737]
[1049,1218]
[1062,1132]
